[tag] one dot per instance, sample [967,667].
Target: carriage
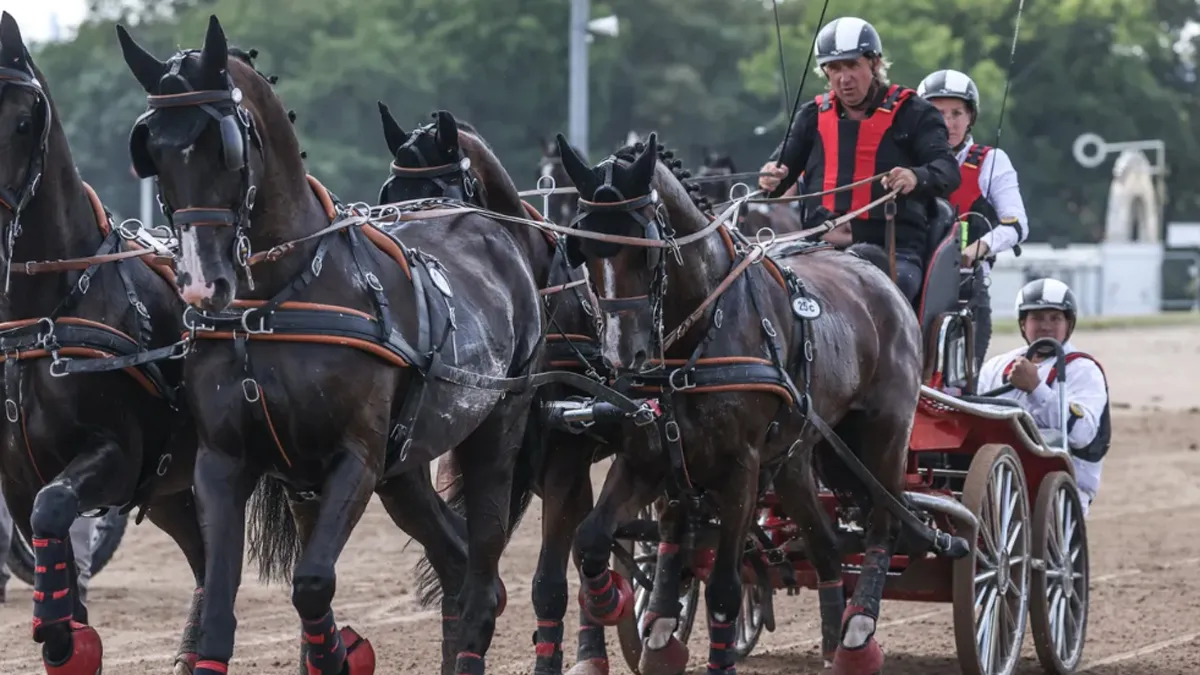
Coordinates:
[978,467]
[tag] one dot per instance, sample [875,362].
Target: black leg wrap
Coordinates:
[720,648]
[833,603]
[869,590]
[468,663]
[602,595]
[664,597]
[326,653]
[547,644]
[591,641]
[52,603]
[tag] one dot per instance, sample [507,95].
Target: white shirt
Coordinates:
[997,173]
[1086,392]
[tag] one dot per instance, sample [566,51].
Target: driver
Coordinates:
[1046,308]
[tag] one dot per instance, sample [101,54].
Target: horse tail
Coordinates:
[272,534]
[872,253]
[525,472]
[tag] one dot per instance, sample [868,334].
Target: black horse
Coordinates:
[285,375]
[429,163]
[749,395]
[79,435]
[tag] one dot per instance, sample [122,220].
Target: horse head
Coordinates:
[210,125]
[26,117]
[716,164]
[618,197]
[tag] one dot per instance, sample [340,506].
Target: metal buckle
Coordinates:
[671,431]
[164,463]
[262,323]
[251,390]
[60,364]
[185,348]
[688,383]
[11,411]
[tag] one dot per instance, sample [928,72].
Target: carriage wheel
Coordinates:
[1058,607]
[749,624]
[991,585]
[629,631]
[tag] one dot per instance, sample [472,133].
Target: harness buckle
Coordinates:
[373,282]
[183,348]
[687,383]
[11,411]
[768,328]
[192,325]
[85,283]
[646,414]
[671,431]
[808,351]
[164,463]
[58,367]
[251,390]
[262,323]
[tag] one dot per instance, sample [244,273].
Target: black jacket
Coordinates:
[917,139]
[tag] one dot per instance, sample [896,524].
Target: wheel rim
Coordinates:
[1066,576]
[749,622]
[1001,570]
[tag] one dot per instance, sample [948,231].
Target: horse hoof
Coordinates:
[87,653]
[624,606]
[360,655]
[672,659]
[864,660]
[502,599]
[185,664]
[590,667]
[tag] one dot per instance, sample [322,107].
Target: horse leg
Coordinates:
[344,496]
[222,484]
[413,505]
[737,498]
[97,476]
[605,596]
[487,460]
[176,515]
[797,491]
[566,498]
[884,448]
[662,652]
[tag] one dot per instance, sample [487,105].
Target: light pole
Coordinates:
[581,30]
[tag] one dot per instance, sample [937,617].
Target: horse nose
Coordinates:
[639,360]
[206,296]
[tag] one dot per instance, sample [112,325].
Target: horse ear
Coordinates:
[576,169]
[215,55]
[147,69]
[447,130]
[392,133]
[642,171]
[12,47]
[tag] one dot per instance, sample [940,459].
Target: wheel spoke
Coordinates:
[986,576]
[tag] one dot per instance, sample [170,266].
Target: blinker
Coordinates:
[231,142]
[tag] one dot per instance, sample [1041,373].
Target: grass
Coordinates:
[1008,326]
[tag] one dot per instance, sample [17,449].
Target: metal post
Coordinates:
[578,109]
[147,202]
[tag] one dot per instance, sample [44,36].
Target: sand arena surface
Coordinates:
[1144,593]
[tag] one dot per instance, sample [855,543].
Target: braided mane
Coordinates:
[667,157]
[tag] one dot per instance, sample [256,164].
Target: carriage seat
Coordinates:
[943,260]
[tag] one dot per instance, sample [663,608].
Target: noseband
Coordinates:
[237,132]
[455,179]
[17,201]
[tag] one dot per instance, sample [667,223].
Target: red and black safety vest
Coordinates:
[969,195]
[1098,448]
[851,149]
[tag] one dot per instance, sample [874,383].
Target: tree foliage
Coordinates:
[703,73]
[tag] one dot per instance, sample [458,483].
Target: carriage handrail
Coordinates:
[1022,422]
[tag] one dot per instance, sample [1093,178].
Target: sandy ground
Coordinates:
[1144,593]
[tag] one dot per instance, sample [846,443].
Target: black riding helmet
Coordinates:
[847,38]
[1047,293]
[951,84]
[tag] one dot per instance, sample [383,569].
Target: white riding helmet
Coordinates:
[950,84]
[1047,293]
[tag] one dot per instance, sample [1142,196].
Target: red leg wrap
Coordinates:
[87,653]
[864,660]
[607,599]
[360,655]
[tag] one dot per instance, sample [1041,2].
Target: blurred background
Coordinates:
[1100,119]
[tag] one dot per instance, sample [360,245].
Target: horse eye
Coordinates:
[24,126]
